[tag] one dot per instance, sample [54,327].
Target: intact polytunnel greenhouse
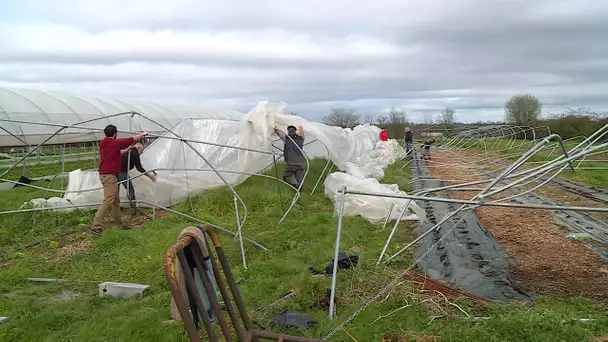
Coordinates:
[20,106]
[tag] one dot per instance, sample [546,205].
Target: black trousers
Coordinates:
[292,170]
[128,185]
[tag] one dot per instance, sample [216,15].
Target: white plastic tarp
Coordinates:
[373,208]
[356,151]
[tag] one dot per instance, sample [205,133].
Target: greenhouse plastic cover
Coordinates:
[50,110]
[357,152]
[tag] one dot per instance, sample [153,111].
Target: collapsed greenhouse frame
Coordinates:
[588,146]
[187,142]
[488,136]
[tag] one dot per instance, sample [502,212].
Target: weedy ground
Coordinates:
[45,312]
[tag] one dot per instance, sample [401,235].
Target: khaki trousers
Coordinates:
[110,199]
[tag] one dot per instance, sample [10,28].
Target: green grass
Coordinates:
[40,170]
[305,239]
[56,150]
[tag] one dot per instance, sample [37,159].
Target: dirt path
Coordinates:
[547,262]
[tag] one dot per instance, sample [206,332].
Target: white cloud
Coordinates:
[64,43]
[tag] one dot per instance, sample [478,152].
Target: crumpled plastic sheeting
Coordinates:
[53,202]
[363,175]
[356,151]
[373,208]
[374,160]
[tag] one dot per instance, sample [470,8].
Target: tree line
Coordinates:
[348,118]
[522,110]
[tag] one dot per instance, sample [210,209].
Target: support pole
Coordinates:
[276,171]
[334,274]
[239,233]
[390,236]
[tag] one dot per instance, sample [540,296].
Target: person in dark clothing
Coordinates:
[292,152]
[427,148]
[408,140]
[128,161]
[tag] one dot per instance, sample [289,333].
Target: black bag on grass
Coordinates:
[293,319]
[345,261]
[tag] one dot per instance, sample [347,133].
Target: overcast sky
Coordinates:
[421,56]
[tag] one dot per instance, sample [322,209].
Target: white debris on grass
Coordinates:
[121,290]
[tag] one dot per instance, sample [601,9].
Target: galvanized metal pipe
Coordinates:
[332,296]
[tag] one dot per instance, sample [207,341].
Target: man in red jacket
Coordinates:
[383,135]
[109,168]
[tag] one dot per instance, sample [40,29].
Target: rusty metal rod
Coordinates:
[183,310]
[286,338]
[197,256]
[191,286]
[240,304]
[176,293]
[224,291]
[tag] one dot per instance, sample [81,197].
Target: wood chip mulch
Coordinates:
[548,262]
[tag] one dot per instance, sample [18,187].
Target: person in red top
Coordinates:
[109,168]
[384,135]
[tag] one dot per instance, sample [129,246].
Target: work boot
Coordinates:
[95,231]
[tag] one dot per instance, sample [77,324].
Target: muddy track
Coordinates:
[467,257]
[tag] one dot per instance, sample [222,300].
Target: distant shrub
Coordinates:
[573,123]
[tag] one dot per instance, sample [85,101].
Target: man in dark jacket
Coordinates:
[408,140]
[292,152]
[109,168]
[129,160]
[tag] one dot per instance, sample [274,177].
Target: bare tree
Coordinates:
[522,110]
[579,112]
[345,118]
[382,120]
[397,116]
[368,119]
[448,116]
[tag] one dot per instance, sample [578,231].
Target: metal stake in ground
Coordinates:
[336,254]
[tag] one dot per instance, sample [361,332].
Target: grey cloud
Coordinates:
[469,55]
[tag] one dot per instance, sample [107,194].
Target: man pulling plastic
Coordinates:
[109,168]
[128,161]
[292,152]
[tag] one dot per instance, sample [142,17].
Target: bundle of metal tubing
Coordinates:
[187,250]
[595,143]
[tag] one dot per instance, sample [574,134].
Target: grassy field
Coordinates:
[40,170]
[513,150]
[305,239]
